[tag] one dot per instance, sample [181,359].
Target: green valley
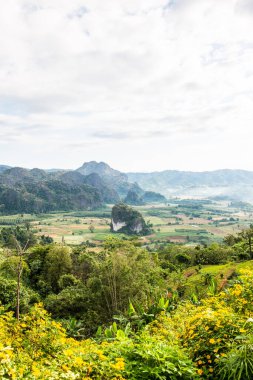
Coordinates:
[130,286]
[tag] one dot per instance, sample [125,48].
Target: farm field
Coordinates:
[187,221]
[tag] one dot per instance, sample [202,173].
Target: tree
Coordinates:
[10,237]
[57,263]
[124,273]
[44,239]
[17,267]
[20,254]
[91,228]
[247,235]
[243,238]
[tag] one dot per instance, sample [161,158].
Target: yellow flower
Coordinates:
[21,370]
[68,352]
[118,366]
[35,371]
[101,356]
[65,367]
[78,361]
[212,341]
[200,371]
[119,359]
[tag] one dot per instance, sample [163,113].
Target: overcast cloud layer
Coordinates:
[141,84]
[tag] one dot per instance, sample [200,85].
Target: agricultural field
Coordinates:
[180,221]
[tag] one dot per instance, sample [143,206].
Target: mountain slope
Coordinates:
[107,194]
[35,191]
[3,168]
[111,177]
[103,170]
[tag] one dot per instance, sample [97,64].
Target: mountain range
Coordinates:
[88,187]
[96,183]
[219,184]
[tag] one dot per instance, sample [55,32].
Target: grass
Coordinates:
[193,279]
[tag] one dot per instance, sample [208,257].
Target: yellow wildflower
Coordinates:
[78,361]
[120,365]
[65,367]
[35,371]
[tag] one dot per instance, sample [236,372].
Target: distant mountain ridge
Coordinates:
[224,177]
[111,177]
[234,184]
[102,169]
[96,183]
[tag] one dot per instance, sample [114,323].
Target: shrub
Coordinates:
[37,348]
[238,363]
[206,332]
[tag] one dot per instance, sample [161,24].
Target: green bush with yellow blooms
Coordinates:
[211,339]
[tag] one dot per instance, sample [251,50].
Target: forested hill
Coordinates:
[111,177]
[23,190]
[89,187]
[230,184]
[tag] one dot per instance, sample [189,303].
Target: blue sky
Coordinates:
[141,84]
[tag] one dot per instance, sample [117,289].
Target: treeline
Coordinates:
[92,287]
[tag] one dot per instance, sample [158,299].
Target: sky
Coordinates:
[143,85]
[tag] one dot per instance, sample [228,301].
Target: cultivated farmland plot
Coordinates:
[183,222]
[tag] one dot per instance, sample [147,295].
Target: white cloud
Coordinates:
[117,80]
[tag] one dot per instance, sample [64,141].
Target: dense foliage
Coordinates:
[125,312]
[210,340]
[35,191]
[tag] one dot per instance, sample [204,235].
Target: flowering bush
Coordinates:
[207,332]
[36,347]
[210,340]
[240,295]
[211,329]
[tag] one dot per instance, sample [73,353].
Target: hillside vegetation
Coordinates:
[124,312]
